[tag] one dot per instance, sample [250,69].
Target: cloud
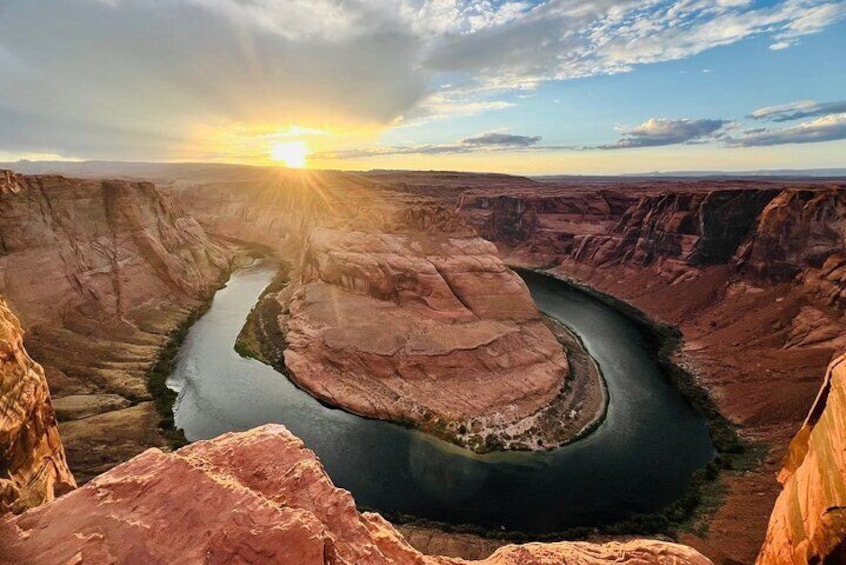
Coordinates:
[798,110]
[662,131]
[150,80]
[492,141]
[781,45]
[176,69]
[826,128]
[501,140]
[568,39]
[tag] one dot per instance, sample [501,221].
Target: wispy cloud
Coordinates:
[492,141]
[798,110]
[501,140]
[826,128]
[662,131]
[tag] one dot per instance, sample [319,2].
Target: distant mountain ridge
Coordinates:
[152,170]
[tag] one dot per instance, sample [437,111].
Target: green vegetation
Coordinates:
[261,337]
[158,373]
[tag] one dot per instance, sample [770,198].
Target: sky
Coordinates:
[516,86]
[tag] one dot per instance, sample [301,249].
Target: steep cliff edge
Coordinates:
[100,272]
[423,328]
[257,496]
[808,523]
[397,309]
[750,271]
[33,469]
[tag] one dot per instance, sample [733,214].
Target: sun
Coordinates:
[292,153]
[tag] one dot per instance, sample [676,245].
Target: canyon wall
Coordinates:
[750,271]
[397,309]
[808,523]
[100,273]
[33,469]
[253,497]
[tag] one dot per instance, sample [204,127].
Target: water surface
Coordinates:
[640,458]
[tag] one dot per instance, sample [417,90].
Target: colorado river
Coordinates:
[640,459]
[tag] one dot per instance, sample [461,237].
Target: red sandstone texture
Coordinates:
[100,272]
[252,497]
[808,523]
[33,469]
[759,332]
[397,309]
[419,327]
[749,270]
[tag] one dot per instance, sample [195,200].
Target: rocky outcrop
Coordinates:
[100,272]
[253,497]
[32,460]
[675,229]
[397,310]
[110,245]
[808,523]
[542,225]
[802,233]
[419,327]
[749,270]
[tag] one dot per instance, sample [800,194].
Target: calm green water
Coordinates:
[640,459]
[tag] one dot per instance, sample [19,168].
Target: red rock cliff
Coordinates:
[100,272]
[253,497]
[419,327]
[33,469]
[398,310]
[808,523]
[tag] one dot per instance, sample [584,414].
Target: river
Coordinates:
[640,459]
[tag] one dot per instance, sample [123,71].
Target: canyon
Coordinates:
[748,270]
[101,272]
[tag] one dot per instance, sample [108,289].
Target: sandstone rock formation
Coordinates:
[397,309]
[253,497]
[33,469]
[419,327]
[758,333]
[808,523]
[100,272]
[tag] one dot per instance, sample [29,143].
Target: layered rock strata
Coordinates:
[253,497]
[750,271]
[422,328]
[100,272]
[33,469]
[808,523]
[397,309]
